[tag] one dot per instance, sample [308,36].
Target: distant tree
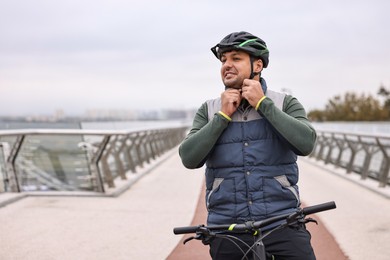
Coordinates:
[316,115]
[386,95]
[351,107]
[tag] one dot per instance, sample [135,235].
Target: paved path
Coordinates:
[138,224]
[361,222]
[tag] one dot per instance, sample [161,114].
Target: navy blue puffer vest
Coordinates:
[251,174]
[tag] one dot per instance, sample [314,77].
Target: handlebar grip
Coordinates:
[185,230]
[319,208]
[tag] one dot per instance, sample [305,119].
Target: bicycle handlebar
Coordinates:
[258,224]
[318,208]
[186,230]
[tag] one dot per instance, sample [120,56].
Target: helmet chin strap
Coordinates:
[244,102]
[253,74]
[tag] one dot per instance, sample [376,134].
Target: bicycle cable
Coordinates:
[261,239]
[232,238]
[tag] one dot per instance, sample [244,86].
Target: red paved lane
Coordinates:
[325,247]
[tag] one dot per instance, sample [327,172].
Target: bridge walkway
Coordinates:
[138,223]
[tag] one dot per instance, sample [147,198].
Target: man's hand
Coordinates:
[252,91]
[230,99]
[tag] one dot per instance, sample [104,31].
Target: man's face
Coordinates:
[235,68]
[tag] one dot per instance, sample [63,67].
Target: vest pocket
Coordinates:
[222,196]
[282,179]
[280,193]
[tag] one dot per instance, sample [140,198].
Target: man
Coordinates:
[249,139]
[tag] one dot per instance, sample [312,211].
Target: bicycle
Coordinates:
[205,233]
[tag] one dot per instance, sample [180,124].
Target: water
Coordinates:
[106,125]
[38,125]
[375,128]
[132,125]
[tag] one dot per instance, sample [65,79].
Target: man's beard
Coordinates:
[236,84]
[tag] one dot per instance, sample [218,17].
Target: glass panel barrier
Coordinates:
[53,163]
[39,160]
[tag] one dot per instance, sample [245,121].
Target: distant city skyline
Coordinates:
[152,55]
[104,115]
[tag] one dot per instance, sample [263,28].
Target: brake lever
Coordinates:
[294,217]
[198,236]
[204,234]
[307,220]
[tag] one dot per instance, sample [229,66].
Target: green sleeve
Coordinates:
[201,138]
[291,124]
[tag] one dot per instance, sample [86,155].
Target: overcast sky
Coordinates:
[154,54]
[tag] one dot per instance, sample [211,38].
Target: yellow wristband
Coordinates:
[258,103]
[224,115]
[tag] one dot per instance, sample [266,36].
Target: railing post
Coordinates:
[341,146]
[145,152]
[370,150]
[131,153]
[5,184]
[321,141]
[354,147]
[14,180]
[330,150]
[385,165]
[106,167]
[384,173]
[139,151]
[150,143]
[118,161]
[96,159]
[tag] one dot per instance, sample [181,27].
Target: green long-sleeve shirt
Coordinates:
[291,124]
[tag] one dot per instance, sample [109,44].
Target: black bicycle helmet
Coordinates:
[244,41]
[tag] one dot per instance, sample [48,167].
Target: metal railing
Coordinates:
[367,155]
[77,160]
